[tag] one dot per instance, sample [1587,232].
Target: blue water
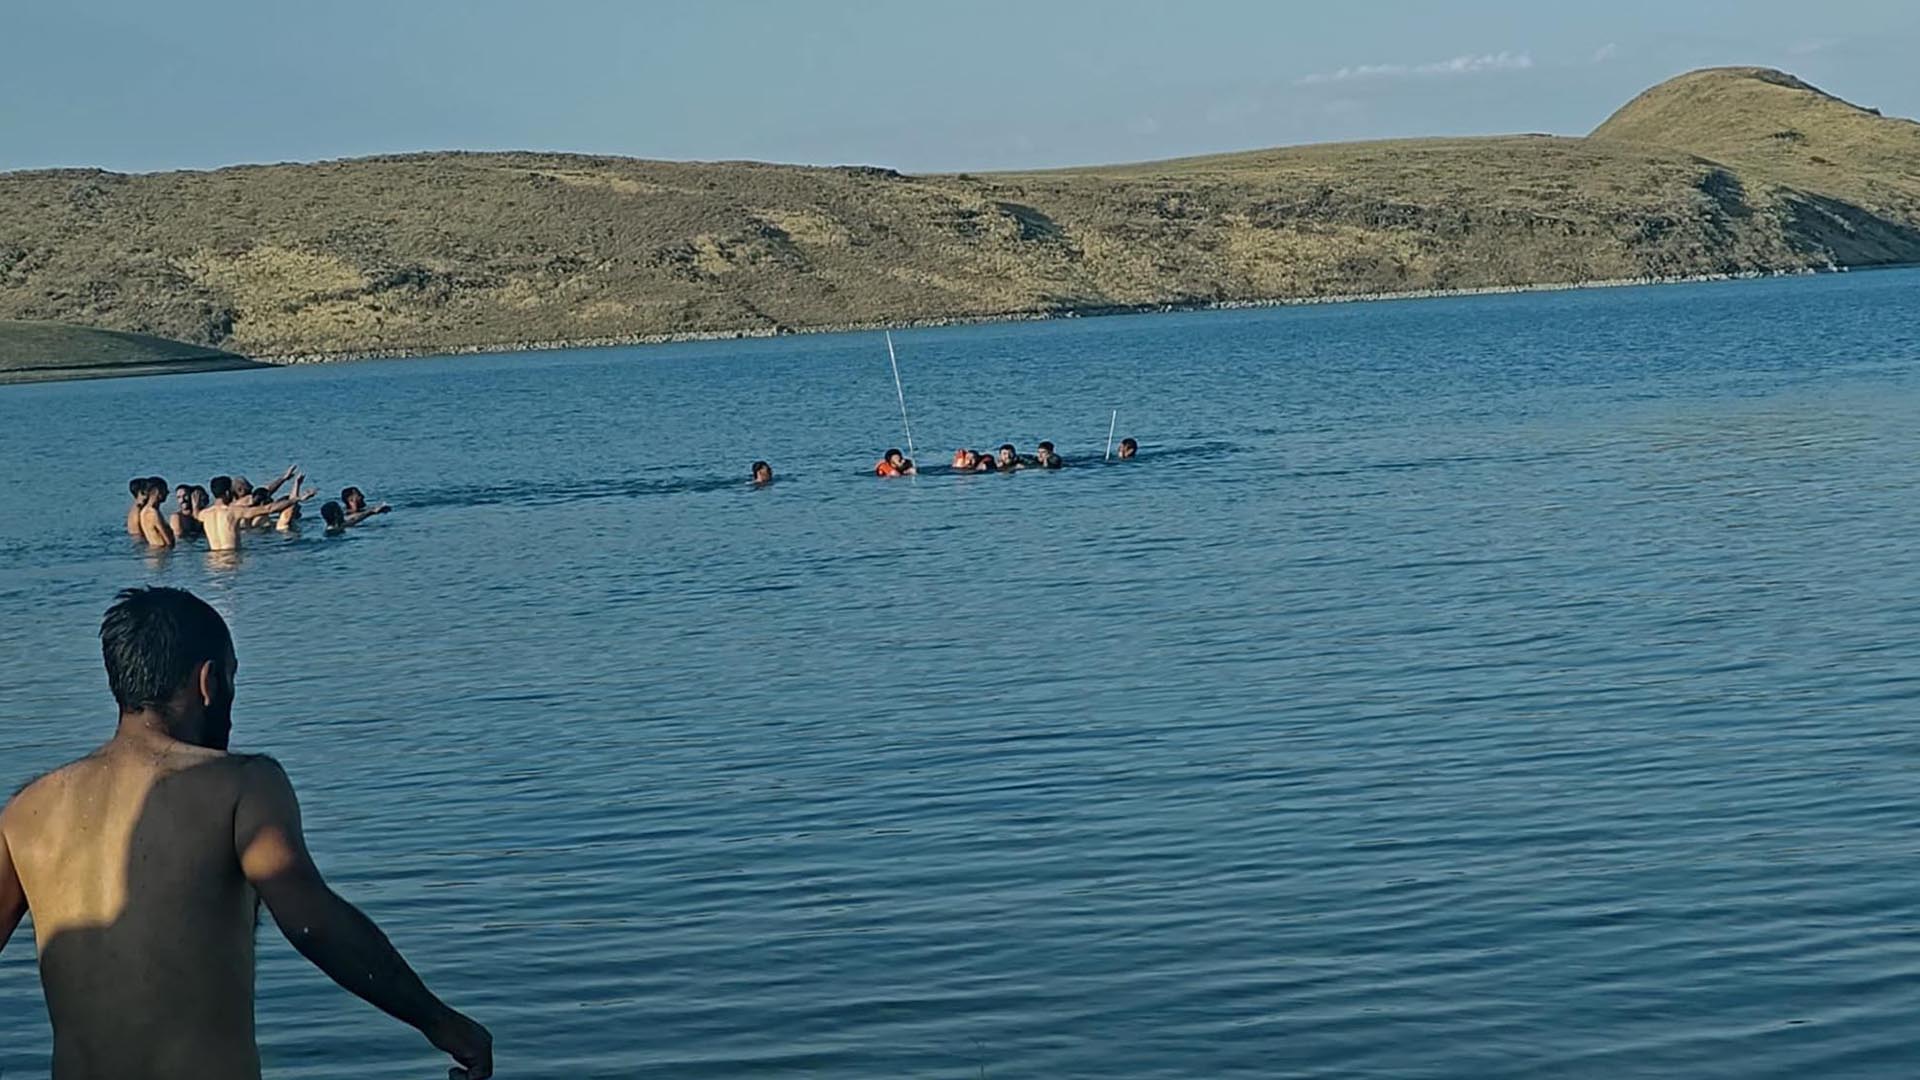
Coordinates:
[1509,686]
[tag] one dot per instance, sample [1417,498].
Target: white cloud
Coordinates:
[1810,46]
[1466,64]
[1605,53]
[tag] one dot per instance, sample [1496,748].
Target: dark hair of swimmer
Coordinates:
[158,486]
[348,494]
[1047,446]
[137,486]
[222,488]
[894,452]
[986,464]
[762,472]
[331,514]
[1008,447]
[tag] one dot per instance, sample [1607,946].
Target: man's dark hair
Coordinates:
[153,639]
[222,488]
[1007,446]
[759,465]
[331,514]
[137,486]
[1130,442]
[159,484]
[347,494]
[892,452]
[1047,446]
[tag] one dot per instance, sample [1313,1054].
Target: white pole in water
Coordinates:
[1111,424]
[900,392]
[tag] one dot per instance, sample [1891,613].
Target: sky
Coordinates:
[136,86]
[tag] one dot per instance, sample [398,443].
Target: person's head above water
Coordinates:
[137,487]
[960,458]
[1128,448]
[183,495]
[352,499]
[222,488]
[895,457]
[242,487]
[170,665]
[335,518]
[200,497]
[1008,455]
[762,473]
[1046,457]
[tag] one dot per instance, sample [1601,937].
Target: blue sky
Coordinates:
[918,86]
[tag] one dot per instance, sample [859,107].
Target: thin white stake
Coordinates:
[901,392]
[1111,424]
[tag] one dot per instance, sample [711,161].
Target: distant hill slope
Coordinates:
[40,351]
[442,251]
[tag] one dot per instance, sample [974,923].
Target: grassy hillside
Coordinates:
[442,251]
[39,351]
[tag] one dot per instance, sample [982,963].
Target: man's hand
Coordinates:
[288,475]
[382,508]
[466,1042]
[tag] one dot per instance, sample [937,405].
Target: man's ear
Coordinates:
[206,681]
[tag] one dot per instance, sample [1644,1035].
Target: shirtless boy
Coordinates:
[145,862]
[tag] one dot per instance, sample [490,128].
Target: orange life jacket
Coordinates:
[886,468]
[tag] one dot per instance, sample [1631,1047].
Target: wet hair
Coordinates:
[347,494]
[1047,446]
[153,639]
[892,452]
[200,494]
[159,487]
[1129,444]
[1008,447]
[259,497]
[760,467]
[137,486]
[906,463]
[222,488]
[331,513]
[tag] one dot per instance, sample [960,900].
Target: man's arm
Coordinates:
[13,898]
[332,933]
[274,488]
[359,516]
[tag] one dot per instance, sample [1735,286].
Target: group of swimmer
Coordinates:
[966,460]
[228,504]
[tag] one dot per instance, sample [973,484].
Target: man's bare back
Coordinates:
[143,918]
[144,865]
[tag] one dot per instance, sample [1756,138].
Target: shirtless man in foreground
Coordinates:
[222,520]
[144,864]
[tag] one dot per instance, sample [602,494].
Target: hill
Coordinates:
[1716,172]
[41,351]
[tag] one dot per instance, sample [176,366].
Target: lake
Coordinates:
[1482,687]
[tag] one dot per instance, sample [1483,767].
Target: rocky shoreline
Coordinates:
[1009,317]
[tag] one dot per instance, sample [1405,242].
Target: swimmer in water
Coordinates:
[181,520]
[984,463]
[894,464]
[222,520]
[963,460]
[291,514]
[153,524]
[355,504]
[1128,448]
[1045,458]
[762,474]
[137,488]
[1009,458]
[334,518]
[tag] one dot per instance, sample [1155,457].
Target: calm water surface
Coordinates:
[1512,686]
